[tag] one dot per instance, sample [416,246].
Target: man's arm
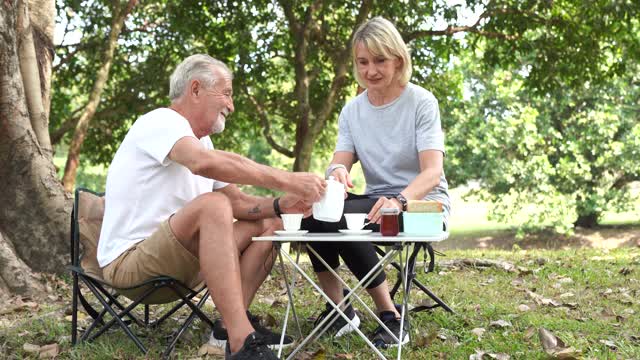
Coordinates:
[233,168]
[249,207]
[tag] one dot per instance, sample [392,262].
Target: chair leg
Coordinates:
[176,336]
[116,318]
[146,314]
[74,311]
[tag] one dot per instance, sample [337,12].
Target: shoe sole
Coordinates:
[347,328]
[223,344]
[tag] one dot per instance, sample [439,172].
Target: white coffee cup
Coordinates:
[355,221]
[330,207]
[291,222]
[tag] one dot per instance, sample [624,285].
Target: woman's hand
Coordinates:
[342,176]
[374,215]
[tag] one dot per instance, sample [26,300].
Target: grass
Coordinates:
[601,304]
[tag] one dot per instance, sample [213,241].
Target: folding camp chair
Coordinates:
[86,221]
[411,276]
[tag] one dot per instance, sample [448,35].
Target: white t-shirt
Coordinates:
[144,186]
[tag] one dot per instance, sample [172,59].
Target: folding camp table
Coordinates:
[397,245]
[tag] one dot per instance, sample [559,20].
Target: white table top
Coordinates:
[371,237]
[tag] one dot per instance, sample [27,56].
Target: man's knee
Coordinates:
[215,206]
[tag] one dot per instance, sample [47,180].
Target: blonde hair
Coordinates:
[382,38]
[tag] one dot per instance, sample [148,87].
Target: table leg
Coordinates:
[339,311]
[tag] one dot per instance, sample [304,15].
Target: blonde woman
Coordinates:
[393,129]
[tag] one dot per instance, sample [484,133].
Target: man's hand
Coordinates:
[374,215]
[292,204]
[307,186]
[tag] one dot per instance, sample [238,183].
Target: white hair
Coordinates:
[194,67]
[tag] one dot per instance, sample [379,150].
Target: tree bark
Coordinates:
[73,158]
[587,220]
[34,216]
[31,77]
[15,276]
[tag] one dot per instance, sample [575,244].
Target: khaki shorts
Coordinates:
[161,254]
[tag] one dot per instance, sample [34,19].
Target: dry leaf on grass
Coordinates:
[31,348]
[610,344]
[500,323]
[555,347]
[478,332]
[345,356]
[483,355]
[49,351]
[523,308]
[207,349]
[425,338]
[308,355]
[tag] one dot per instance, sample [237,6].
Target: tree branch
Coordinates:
[266,126]
[340,71]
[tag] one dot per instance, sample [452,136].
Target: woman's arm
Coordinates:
[431,164]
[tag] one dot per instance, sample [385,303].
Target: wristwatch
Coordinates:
[403,201]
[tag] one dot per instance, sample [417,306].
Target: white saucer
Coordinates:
[355,232]
[291,232]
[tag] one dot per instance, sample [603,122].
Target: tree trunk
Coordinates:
[73,158]
[587,220]
[34,216]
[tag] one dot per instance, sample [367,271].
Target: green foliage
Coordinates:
[551,159]
[539,99]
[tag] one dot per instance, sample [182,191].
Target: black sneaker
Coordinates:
[382,339]
[219,335]
[254,348]
[340,326]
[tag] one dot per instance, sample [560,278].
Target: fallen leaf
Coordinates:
[478,332]
[49,351]
[523,308]
[31,348]
[481,355]
[425,338]
[529,333]
[500,323]
[566,295]
[625,271]
[608,343]
[207,349]
[555,347]
[344,356]
[308,355]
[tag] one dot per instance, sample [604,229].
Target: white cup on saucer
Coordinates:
[330,207]
[355,221]
[291,222]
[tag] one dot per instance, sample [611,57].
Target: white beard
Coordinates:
[218,127]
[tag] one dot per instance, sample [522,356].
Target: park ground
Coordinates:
[513,298]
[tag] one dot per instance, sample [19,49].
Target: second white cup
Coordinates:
[291,222]
[355,221]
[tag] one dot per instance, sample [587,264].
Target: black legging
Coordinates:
[360,257]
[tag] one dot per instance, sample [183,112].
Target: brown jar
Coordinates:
[389,225]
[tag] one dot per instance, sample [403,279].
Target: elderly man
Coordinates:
[171,203]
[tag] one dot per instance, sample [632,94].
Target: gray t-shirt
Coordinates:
[387,139]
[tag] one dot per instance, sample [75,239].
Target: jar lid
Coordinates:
[390,211]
